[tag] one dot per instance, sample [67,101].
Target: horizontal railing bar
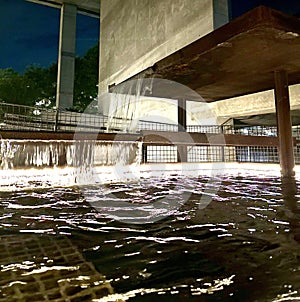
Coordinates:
[162,138]
[157,138]
[78,136]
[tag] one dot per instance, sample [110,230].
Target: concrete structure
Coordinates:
[137,37]
[284,125]
[187,21]
[67,41]
[134,35]
[88,7]
[66,56]
[255,52]
[255,104]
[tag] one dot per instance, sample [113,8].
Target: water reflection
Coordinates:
[291,200]
[237,248]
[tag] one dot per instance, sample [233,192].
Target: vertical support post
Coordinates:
[181,150]
[220,12]
[66,56]
[181,115]
[56,119]
[144,154]
[223,147]
[284,124]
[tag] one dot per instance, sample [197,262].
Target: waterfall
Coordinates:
[124,111]
[44,154]
[7,154]
[31,163]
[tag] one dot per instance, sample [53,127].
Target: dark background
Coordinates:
[238,7]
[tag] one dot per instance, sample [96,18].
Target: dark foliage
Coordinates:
[37,85]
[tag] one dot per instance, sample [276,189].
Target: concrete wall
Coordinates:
[134,34]
[252,104]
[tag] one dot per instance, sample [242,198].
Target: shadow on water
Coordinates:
[292,204]
[246,238]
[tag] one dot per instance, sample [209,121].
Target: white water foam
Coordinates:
[21,179]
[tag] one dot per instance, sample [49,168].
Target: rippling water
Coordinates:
[244,245]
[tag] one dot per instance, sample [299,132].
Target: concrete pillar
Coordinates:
[221,13]
[182,150]
[66,56]
[284,124]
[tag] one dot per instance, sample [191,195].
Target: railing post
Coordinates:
[144,154]
[181,150]
[223,147]
[56,120]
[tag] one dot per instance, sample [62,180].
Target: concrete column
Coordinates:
[284,124]
[66,56]
[182,150]
[221,13]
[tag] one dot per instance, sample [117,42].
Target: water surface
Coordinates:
[243,246]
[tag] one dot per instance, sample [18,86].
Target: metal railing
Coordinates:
[26,118]
[20,117]
[230,129]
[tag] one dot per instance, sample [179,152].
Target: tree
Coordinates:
[14,88]
[34,85]
[37,85]
[43,82]
[86,79]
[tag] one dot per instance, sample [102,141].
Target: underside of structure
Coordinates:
[238,58]
[255,52]
[268,119]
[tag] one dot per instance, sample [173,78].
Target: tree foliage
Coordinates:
[37,85]
[86,79]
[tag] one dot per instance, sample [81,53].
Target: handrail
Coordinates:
[35,118]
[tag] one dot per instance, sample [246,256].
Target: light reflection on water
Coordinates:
[244,246]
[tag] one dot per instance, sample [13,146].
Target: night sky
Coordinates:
[29,34]
[291,7]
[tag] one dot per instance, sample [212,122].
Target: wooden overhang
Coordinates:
[236,59]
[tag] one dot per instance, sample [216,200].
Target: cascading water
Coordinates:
[29,154]
[63,162]
[124,111]
[7,154]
